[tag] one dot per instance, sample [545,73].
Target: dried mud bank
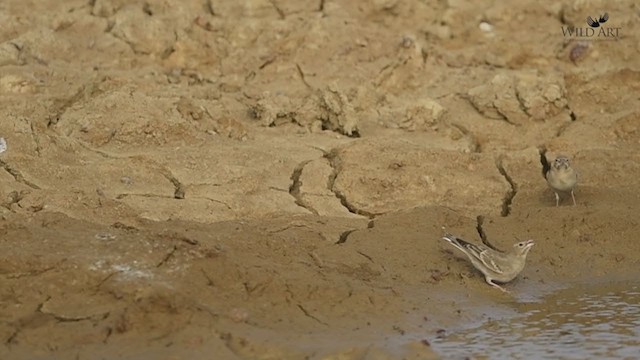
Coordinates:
[270,179]
[289,287]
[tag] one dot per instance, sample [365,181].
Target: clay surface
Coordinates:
[270,179]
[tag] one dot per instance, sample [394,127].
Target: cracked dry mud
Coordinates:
[269,179]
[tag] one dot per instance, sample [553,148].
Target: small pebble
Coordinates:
[578,51]
[407,42]
[105,236]
[486,27]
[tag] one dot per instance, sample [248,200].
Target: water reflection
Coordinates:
[578,323]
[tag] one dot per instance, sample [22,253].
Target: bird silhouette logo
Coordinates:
[596,23]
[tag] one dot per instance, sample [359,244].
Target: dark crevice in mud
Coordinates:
[562,128]
[365,256]
[17,175]
[33,272]
[216,201]
[321,6]
[146,8]
[210,8]
[543,161]
[126,195]
[66,319]
[504,117]
[354,134]
[12,338]
[281,13]
[14,197]
[508,198]
[482,233]
[294,188]
[302,78]
[267,62]
[344,236]
[167,257]
[179,190]
[475,144]
[562,17]
[85,92]
[105,279]
[36,138]
[309,315]
[335,165]
[371,224]
[109,332]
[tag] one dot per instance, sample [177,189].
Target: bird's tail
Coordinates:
[453,240]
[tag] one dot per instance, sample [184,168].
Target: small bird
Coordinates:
[562,177]
[495,265]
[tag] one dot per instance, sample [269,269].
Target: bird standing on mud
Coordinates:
[562,178]
[495,265]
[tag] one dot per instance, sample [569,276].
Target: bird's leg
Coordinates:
[573,197]
[496,285]
[558,199]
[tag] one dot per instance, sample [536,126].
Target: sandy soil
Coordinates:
[269,179]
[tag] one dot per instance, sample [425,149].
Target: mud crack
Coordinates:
[563,127]
[34,272]
[344,236]
[311,316]
[167,257]
[17,175]
[65,318]
[14,197]
[482,233]
[36,138]
[83,93]
[335,165]
[294,188]
[281,13]
[543,161]
[210,8]
[508,198]
[302,77]
[475,144]
[215,201]
[179,190]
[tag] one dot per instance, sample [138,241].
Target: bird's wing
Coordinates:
[478,252]
[591,22]
[488,261]
[483,254]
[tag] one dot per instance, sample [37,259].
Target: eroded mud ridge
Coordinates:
[270,178]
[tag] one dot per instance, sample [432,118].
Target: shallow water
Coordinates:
[579,323]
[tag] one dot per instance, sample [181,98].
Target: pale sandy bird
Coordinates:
[562,178]
[495,265]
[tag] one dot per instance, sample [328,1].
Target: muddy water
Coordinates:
[579,323]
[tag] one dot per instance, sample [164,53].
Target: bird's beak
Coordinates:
[529,243]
